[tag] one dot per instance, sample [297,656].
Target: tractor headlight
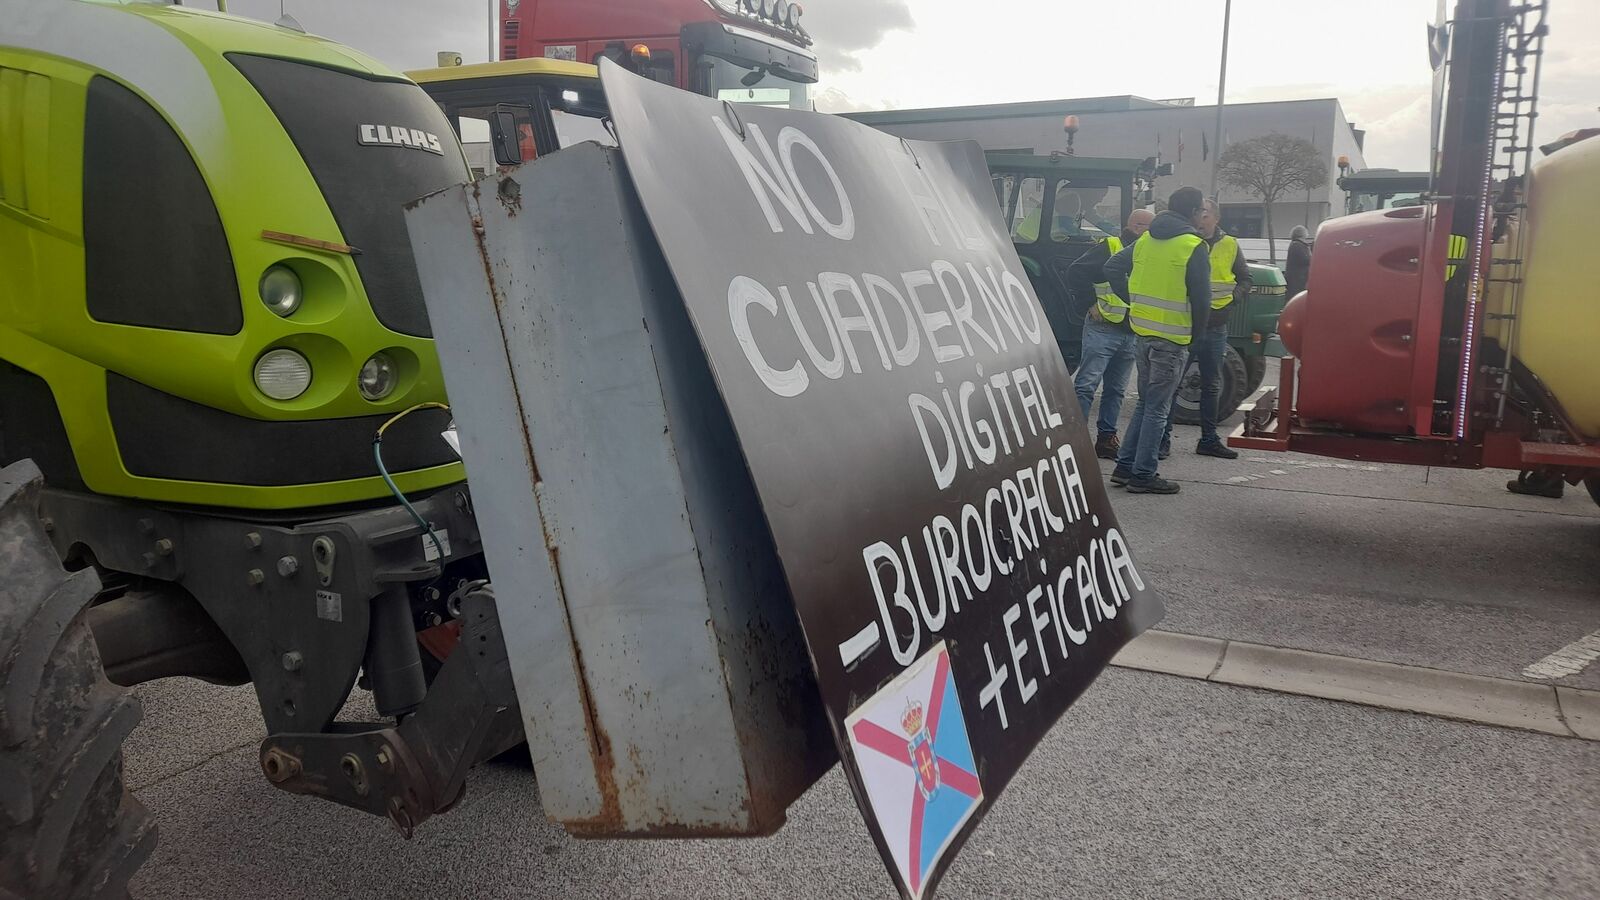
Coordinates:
[282,374]
[378,377]
[280,290]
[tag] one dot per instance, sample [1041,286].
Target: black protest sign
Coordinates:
[913,435]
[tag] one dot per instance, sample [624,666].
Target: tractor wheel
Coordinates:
[1593,483]
[1235,379]
[68,825]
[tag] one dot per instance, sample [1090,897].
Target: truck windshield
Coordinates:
[762,86]
[1366,201]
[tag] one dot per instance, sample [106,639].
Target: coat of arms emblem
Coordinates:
[919,746]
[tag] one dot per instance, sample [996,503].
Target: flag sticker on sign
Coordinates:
[910,743]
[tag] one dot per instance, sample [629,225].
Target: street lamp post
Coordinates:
[1222,87]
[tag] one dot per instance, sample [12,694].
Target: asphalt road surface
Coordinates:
[1432,567]
[1151,786]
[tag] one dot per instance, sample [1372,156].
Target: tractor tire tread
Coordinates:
[69,827]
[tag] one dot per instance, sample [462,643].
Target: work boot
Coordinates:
[1152,484]
[1120,476]
[1535,484]
[1217,449]
[1107,445]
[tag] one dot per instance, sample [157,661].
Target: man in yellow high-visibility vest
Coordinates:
[1105,356]
[1230,285]
[1165,278]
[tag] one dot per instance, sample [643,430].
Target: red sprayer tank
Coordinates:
[1353,336]
[1459,332]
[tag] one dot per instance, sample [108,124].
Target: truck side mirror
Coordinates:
[503,137]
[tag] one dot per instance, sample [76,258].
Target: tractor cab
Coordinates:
[514,111]
[1057,207]
[1382,189]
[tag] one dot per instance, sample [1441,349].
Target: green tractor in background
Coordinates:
[1057,207]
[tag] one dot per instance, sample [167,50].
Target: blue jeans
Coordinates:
[1161,364]
[1209,351]
[1106,358]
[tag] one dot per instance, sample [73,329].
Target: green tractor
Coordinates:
[221,419]
[1060,206]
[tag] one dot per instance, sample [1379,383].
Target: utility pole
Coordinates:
[1308,188]
[1222,87]
[494,12]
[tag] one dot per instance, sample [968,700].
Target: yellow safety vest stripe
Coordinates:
[1111,306]
[1223,254]
[1456,250]
[1159,287]
[1027,230]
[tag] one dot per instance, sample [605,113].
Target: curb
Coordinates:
[1502,702]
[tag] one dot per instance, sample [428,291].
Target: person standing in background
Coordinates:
[1230,284]
[1298,269]
[1165,278]
[1106,357]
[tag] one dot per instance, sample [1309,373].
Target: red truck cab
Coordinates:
[749,51]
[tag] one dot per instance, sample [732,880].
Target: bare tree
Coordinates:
[1270,167]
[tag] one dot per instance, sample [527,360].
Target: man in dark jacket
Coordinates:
[1298,269]
[1230,284]
[1106,354]
[1165,278]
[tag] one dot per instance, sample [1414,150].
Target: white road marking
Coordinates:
[1569,660]
[1297,465]
[1315,464]
[859,645]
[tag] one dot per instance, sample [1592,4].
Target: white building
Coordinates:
[1177,131]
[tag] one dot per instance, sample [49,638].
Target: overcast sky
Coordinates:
[875,54]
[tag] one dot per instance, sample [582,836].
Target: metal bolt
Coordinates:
[255,576]
[292,661]
[279,766]
[401,818]
[461,501]
[385,759]
[149,560]
[146,526]
[252,541]
[288,565]
[48,523]
[353,770]
[164,547]
[431,594]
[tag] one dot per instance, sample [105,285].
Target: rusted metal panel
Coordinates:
[657,657]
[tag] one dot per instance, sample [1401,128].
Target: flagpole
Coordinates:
[494,12]
[1222,86]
